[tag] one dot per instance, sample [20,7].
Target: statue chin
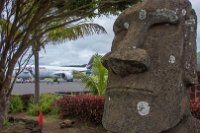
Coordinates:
[136,111]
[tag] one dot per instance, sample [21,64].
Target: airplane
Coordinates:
[54,72]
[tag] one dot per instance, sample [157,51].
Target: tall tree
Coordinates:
[23,21]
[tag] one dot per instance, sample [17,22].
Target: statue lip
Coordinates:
[133,90]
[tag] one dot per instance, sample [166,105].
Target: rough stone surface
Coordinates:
[31,125]
[152,65]
[66,123]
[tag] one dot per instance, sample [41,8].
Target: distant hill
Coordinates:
[76,65]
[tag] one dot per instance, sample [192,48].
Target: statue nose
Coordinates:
[126,62]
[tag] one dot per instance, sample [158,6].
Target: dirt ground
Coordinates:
[51,125]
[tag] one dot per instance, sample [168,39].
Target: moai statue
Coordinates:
[152,65]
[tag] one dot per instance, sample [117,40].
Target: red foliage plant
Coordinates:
[195,100]
[195,108]
[85,108]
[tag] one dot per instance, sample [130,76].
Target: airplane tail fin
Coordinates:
[89,65]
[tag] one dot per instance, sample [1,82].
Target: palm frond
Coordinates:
[90,84]
[98,82]
[75,32]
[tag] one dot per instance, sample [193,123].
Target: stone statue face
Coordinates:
[151,65]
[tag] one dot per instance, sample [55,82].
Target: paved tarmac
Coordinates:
[45,87]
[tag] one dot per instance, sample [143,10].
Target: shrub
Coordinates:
[46,105]
[15,104]
[6,123]
[33,109]
[84,108]
[47,102]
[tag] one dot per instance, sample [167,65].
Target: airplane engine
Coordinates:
[68,76]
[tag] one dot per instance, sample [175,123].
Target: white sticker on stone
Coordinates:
[193,82]
[143,108]
[176,10]
[184,12]
[190,22]
[134,47]
[126,25]
[190,43]
[172,59]
[108,98]
[187,66]
[185,35]
[142,14]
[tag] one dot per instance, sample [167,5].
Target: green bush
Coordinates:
[46,105]
[6,123]
[15,104]
[33,109]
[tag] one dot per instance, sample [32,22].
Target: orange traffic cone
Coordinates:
[40,119]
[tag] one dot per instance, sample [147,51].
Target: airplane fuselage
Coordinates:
[51,72]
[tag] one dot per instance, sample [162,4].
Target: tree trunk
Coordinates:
[3,107]
[37,80]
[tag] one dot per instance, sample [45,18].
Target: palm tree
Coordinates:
[98,81]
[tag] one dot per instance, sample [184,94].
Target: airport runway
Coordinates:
[28,88]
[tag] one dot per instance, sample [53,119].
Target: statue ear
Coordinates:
[189,48]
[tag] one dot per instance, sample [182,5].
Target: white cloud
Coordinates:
[81,50]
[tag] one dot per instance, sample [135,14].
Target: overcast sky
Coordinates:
[79,52]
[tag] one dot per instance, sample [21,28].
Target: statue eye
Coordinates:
[160,24]
[117,28]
